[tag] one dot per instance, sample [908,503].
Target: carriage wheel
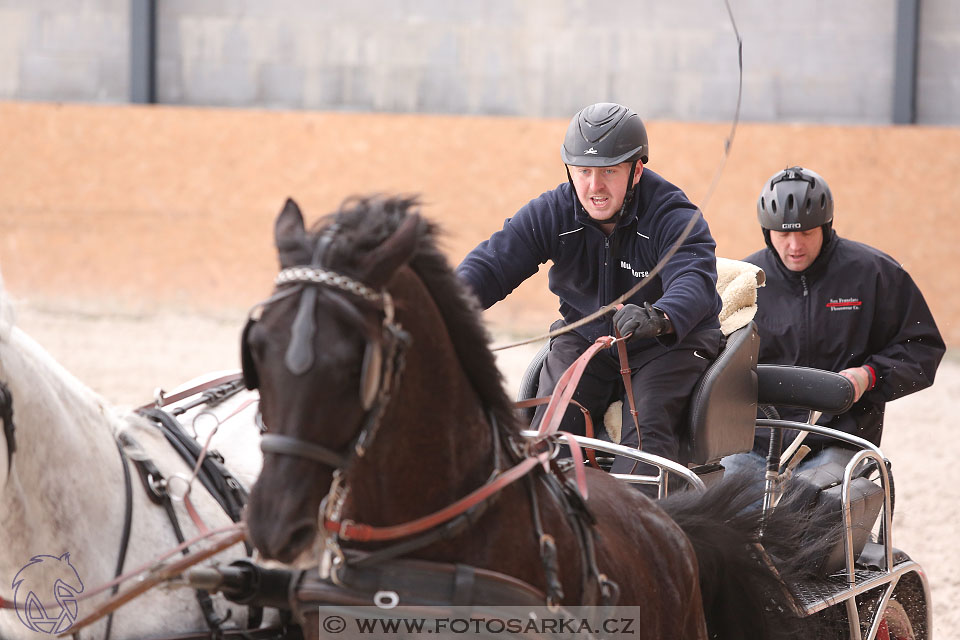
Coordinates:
[895,624]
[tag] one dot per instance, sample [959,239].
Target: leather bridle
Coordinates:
[6,417]
[382,366]
[408,536]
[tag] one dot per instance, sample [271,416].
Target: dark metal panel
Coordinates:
[143,51]
[905,62]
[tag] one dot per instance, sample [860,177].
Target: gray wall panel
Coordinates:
[812,60]
[938,76]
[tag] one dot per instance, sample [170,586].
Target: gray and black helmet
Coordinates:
[795,199]
[603,135]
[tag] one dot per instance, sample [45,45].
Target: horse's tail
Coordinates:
[743,595]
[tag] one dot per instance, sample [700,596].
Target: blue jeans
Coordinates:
[754,463]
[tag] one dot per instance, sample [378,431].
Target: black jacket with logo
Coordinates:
[853,306]
[591,269]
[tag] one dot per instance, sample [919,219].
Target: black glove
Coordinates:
[642,322]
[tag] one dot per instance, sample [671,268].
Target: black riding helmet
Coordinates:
[603,135]
[795,199]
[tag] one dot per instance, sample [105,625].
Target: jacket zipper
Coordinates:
[806,320]
[606,270]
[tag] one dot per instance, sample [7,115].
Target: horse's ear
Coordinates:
[383,261]
[290,236]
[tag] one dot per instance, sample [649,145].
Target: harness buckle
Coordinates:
[342,530]
[547,544]
[157,484]
[332,503]
[535,447]
[179,496]
[331,560]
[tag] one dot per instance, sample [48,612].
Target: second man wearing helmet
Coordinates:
[604,230]
[835,304]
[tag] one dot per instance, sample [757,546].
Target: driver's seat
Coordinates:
[723,406]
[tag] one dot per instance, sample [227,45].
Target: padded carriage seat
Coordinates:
[723,407]
[821,487]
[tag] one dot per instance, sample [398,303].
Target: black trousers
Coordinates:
[662,386]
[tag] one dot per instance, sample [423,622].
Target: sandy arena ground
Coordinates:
[125,356]
[133,238]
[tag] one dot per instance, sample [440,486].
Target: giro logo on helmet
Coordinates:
[590,152]
[791,225]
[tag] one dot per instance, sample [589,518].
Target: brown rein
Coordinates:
[161,573]
[558,403]
[349,530]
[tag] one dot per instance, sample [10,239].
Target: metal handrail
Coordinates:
[663,464]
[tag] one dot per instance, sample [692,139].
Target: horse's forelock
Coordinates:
[363,223]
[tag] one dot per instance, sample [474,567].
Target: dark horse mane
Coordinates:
[363,223]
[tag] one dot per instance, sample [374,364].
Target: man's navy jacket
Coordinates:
[853,306]
[591,269]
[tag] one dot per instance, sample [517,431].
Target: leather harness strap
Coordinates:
[163,400]
[266,633]
[561,398]
[290,446]
[416,583]
[162,574]
[628,385]
[587,421]
[6,418]
[562,395]
[127,525]
[349,530]
[566,385]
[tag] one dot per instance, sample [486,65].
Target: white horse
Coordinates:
[63,502]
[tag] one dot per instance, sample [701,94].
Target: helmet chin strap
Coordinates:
[627,194]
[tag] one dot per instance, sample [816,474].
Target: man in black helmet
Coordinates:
[604,230]
[835,304]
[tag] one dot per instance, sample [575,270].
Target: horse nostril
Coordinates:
[299,538]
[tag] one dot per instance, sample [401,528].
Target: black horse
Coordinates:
[385,413]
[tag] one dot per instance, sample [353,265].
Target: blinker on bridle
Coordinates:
[378,373]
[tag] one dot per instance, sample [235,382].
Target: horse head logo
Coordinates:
[43,581]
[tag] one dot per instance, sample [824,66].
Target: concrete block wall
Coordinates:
[938,80]
[64,50]
[809,60]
